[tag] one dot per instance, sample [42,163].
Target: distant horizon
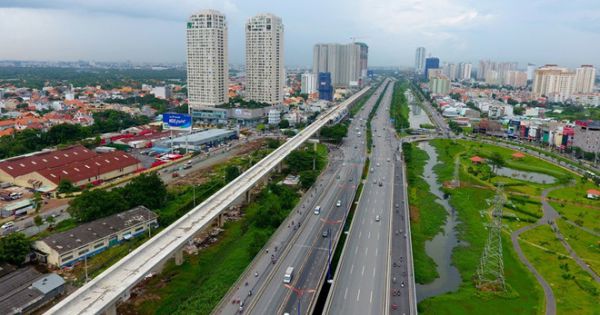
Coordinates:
[153,31]
[521,66]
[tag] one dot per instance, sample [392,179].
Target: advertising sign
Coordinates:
[172,121]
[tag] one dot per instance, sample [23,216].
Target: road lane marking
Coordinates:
[369,235]
[359,234]
[374,271]
[351,268]
[362,273]
[345,293]
[356,250]
[366,250]
[376,251]
[371,298]
[358,295]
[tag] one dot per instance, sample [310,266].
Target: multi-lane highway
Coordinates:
[361,282]
[307,249]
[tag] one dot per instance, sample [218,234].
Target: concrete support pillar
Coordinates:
[179,257]
[221,220]
[279,167]
[248,196]
[111,310]
[126,295]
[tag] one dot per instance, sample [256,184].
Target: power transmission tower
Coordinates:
[490,274]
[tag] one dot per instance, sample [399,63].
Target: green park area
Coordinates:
[472,199]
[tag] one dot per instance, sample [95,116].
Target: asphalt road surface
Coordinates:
[361,283]
[300,242]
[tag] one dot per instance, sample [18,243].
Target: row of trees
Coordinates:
[30,140]
[146,189]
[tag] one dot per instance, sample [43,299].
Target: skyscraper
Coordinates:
[325,87]
[420,60]
[464,71]
[431,63]
[556,83]
[452,72]
[207,68]
[347,63]
[584,79]
[307,82]
[264,59]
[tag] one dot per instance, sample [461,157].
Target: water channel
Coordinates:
[417,116]
[441,246]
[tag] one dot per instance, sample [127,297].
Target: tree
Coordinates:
[147,190]
[231,173]
[14,248]
[300,160]
[37,199]
[50,220]
[65,186]
[284,123]
[518,111]
[496,160]
[38,220]
[95,204]
[307,178]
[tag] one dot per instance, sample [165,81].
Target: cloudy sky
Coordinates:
[537,31]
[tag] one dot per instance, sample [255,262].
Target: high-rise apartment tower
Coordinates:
[207,68]
[265,72]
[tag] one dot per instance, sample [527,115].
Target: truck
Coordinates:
[289,274]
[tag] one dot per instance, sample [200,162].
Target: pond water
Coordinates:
[441,246]
[533,177]
[417,116]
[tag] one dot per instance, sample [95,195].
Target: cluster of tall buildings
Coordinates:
[346,63]
[430,67]
[207,59]
[559,83]
[501,73]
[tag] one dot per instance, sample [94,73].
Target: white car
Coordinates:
[377,218]
[8,225]
[338,203]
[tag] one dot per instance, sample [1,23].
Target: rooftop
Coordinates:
[27,164]
[98,229]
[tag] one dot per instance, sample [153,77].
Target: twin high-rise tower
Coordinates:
[207,67]
[207,59]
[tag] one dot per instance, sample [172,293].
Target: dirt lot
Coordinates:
[202,174]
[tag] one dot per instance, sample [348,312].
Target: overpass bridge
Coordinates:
[103,293]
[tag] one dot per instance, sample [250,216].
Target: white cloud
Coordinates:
[427,17]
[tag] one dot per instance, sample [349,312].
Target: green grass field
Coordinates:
[585,244]
[575,291]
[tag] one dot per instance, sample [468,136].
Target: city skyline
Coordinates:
[151,31]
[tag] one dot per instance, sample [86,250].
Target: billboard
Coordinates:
[172,121]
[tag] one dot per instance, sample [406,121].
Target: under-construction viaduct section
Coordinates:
[103,293]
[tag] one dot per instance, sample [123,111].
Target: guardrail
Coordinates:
[106,290]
